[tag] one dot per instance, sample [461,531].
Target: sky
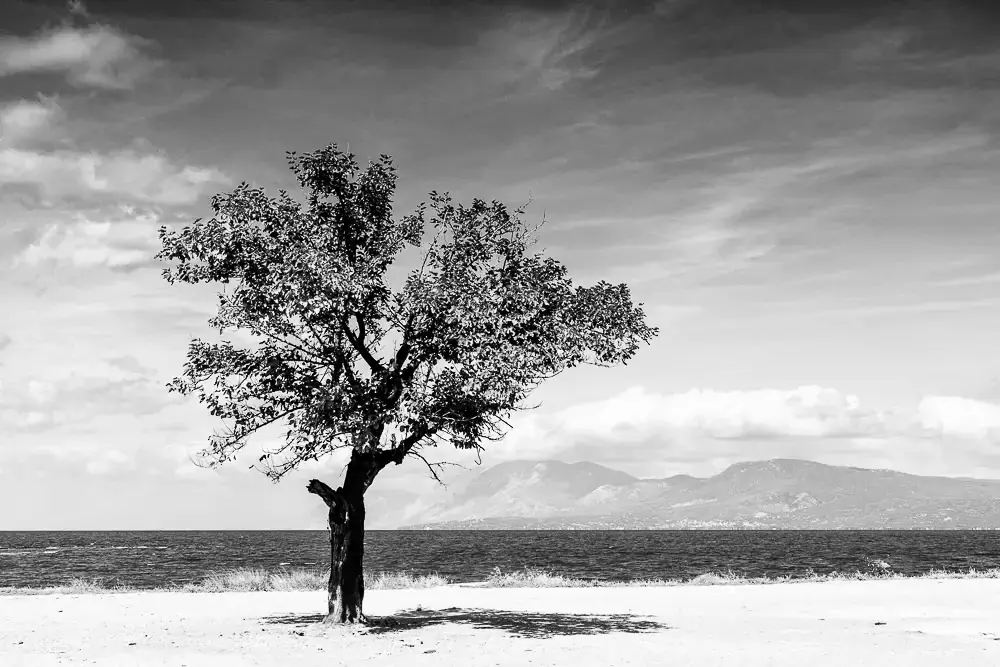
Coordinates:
[802,194]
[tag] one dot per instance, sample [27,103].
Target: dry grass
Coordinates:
[536,578]
[72,587]
[250,579]
[385,581]
[245,579]
[256,579]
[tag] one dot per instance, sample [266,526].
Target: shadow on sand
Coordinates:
[520,623]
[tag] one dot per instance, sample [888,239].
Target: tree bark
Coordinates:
[346,588]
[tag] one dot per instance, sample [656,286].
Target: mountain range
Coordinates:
[774,494]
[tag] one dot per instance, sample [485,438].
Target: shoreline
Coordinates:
[298,580]
[922,622]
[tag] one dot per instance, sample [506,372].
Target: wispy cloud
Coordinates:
[872,308]
[987,278]
[74,399]
[548,51]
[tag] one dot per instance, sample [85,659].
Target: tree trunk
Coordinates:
[346,588]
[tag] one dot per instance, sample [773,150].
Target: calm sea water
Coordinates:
[153,559]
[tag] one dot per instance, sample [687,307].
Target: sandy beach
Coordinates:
[892,622]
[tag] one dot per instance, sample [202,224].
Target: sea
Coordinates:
[156,559]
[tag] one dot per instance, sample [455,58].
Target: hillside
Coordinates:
[774,494]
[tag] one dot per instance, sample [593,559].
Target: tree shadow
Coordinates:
[535,625]
[294,619]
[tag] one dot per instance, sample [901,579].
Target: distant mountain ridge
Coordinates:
[772,494]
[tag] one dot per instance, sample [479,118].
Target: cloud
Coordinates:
[749,212]
[38,404]
[128,174]
[124,244]
[139,437]
[866,308]
[716,240]
[764,413]
[985,278]
[94,459]
[78,8]
[765,211]
[953,416]
[25,118]
[787,51]
[130,364]
[139,173]
[184,461]
[670,7]
[95,56]
[533,51]
[715,428]
[109,461]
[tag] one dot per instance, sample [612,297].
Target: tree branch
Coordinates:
[372,362]
[235,435]
[323,344]
[396,455]
[329,496]
[405,345]
[282,341]
[431,469]
[347,365]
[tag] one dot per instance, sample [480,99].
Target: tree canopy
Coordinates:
[340,357]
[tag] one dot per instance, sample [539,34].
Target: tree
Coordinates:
[343,360]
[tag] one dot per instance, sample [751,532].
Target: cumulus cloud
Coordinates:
[803,412]
[139,173]
[26,118]
[61,172]
[125,243]
[715,428]
[642,425]
[128,174]
[952,416]
[95,56]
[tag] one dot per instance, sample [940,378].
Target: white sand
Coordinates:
[926,622]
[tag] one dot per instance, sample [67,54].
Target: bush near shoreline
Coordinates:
[253,579]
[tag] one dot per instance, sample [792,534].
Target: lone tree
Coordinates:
[345,361]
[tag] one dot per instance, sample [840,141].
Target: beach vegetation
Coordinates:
[242,580]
